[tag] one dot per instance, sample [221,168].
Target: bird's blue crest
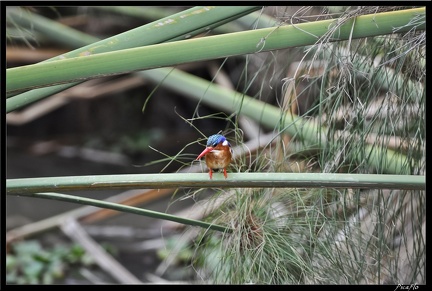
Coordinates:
[215,139]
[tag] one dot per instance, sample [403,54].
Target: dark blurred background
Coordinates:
[99,128]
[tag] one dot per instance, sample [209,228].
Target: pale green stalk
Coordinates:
[182,25]
[200,180]
[90,65]
[125,208]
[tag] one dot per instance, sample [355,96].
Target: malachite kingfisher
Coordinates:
[218,154]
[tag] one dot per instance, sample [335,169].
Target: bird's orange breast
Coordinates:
[219,157]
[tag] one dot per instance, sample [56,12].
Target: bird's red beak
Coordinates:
[204,152]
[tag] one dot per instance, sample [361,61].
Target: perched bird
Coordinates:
[218,154]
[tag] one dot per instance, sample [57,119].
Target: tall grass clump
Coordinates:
[368,96]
